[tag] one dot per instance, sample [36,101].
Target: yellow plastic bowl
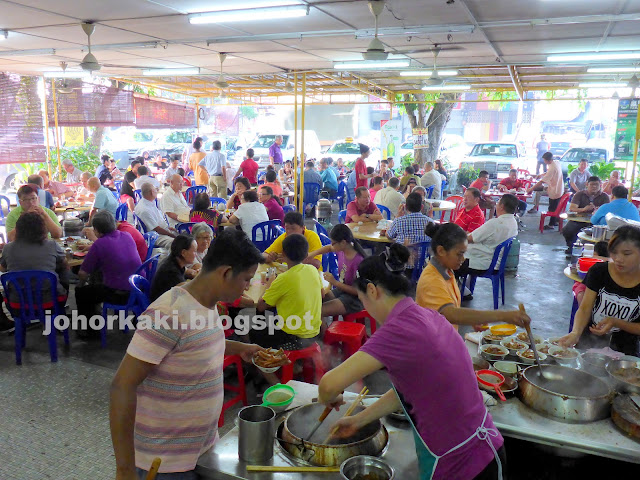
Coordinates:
[503,329]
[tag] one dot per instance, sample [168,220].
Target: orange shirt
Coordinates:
[201,177]
[434,291]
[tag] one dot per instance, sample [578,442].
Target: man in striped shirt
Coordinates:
[167,395]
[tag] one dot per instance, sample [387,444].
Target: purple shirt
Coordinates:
[116,256]
[274,210]
[275,152]
[348,268]
[430,367]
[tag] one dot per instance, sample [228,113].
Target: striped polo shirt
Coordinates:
[179,403]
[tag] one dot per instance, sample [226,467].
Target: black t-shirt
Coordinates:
[612,300]
[582,199]
[168,275]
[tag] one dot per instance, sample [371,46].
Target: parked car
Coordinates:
[495,158]
[349,151]
[262,143]
[574,155]
[559,148]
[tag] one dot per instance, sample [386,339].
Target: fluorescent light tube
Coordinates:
[614,70]
[3,34]
[588,57]
[247,15]
[602,85]
[366,65]
[444,88]
[25,53]
[427,73]
[170,71]
[67,74]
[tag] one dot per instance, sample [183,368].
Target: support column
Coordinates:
[55,118]
[46,125]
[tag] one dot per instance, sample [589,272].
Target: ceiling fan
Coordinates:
[375,51]
[222,81]
[90,62]
[64,87]
[434,79]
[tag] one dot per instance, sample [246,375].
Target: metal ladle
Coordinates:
[533,347]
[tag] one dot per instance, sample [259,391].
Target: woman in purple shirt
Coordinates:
[432,375]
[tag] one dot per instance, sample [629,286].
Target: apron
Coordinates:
[428,461]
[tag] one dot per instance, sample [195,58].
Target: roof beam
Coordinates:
[473,20]
[361,85]
[513,73]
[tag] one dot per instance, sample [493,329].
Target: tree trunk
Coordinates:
[438,120]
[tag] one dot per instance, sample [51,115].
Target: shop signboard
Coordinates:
[626,128]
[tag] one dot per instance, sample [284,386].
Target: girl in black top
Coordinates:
[611,302]
[171,270]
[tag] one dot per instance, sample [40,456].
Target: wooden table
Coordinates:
[444,205]
[257,288]
[573,276]
[586,238]
[78,206]
[74,261]
[576,218]
[368,232]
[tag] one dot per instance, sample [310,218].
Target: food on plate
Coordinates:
[525,338]
[493,350]
[544,349]
[493,338]
[69,239]
[528,354]
[565,354]
[271,358]
[631,375]
[514,345]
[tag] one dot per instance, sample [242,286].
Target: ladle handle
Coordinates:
[325,414]
[532,341]
[499,392]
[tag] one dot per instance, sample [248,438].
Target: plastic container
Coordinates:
[278,397]
[587,250]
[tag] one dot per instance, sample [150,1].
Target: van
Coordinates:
[261,145]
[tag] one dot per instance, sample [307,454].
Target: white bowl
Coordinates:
[488,337]
[513,351]
[554,352]
[530,361]
[522,335]
[493,356]
[266,369]
[507,369]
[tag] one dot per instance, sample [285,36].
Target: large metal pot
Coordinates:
[622,385]
[572,395]
[370,440]
[71,224]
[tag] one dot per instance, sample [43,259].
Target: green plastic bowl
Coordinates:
[277,392]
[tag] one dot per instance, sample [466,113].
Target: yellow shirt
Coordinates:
[296,292]
[312,238]
[200,175]
[434,291]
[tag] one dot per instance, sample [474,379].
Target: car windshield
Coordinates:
[178,137]
[560,144]
[345,149]
[592,155]
[501,149]
[265,141]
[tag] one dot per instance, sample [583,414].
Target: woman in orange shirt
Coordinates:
[201,177]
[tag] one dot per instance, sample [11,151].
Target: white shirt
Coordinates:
[390,198]
[432,177]
[487,237]
[213,162]
[173,202]
[250,214]
[146,179]
[170,172]
[74,177]
[150,214]
[554,180]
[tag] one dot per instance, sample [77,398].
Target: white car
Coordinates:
[349,151]
[496,158]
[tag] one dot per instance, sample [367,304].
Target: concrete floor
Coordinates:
[44,403]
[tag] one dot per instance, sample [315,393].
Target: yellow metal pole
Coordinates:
[55,118]
[46,124]
[636,143]
[302,159]
[295,140]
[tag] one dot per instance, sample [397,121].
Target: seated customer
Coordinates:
[153,218]
[202,211]
[409,173]
[584,203]
[294,225]
[375,187]
[362,209]
[579,178]
[484,239]
[389,196]
[114,253]
[343,298]
[172,270]
[45,197]
[329,179]
[57,189]
[513,184]
[271,180]
[241,185]
[249,214]
[430,178]
[614,181]
[83,192]
[126,227]
[104,198]
[173,202]
[126,191]
[295,293]
[619,206]
[471,217]
[144,177]
[274,210]
[29,202]
[408,229]
[202,234]
[483,184]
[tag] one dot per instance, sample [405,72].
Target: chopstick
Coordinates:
[153,470]
[269,468]
[349,411]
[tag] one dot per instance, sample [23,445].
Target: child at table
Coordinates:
[297,296]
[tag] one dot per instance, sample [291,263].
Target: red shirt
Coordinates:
[361,168]
[470,220]
[141,245]
[511,184]
[477,184]
[250,170]
[354,209]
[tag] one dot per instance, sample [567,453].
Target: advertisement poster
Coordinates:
[626,128]
[73,136]
[390,138]
[420,138]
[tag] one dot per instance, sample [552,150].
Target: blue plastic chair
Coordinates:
[139,224]
[30,286]
[140,291]
[350,193]
[423,253]
[384,210]
[137,195]
[324,239]
[4,200]
[122,212]
[496,276]
[429,191]
[443,187]
[118,185]
[289,208]
[150,239]
[342,193]
[185,227]
[320,229]
[261,176]
[191,174]
[311,195]
[217,200]
[342,216]
[191,193]
[270,232]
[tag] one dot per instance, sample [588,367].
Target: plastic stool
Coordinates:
[240,389]
[350,334]
[310,373]
[360,317]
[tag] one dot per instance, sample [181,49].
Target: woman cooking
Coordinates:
[611,302]
[432,374]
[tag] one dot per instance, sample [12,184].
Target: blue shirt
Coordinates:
[105,200]
[410,226]
[329,179]
[213,162]
[351,184]
[620,207]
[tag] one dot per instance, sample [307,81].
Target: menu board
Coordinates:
[626,128]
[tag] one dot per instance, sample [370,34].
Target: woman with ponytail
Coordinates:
[432,376]
[343,298]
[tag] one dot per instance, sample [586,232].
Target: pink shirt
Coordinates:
[361,168]
[554,181]
[354,209]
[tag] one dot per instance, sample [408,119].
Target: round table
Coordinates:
[368,232]
[575,218]
[78,206]
[444,205]
[497,193]
[586,238]
[184,218]
[573,276]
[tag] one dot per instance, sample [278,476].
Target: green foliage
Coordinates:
[26,169]
[571,168]
[142,137]
[503,98]
[248,112]
[85,158]
[602,169]
[466,175]
[406,161]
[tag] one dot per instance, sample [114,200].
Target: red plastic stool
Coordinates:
[350,334]
[240,389]
[360,317]
[308,355]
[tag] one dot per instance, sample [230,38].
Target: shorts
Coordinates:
[280,339]
[351,304]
